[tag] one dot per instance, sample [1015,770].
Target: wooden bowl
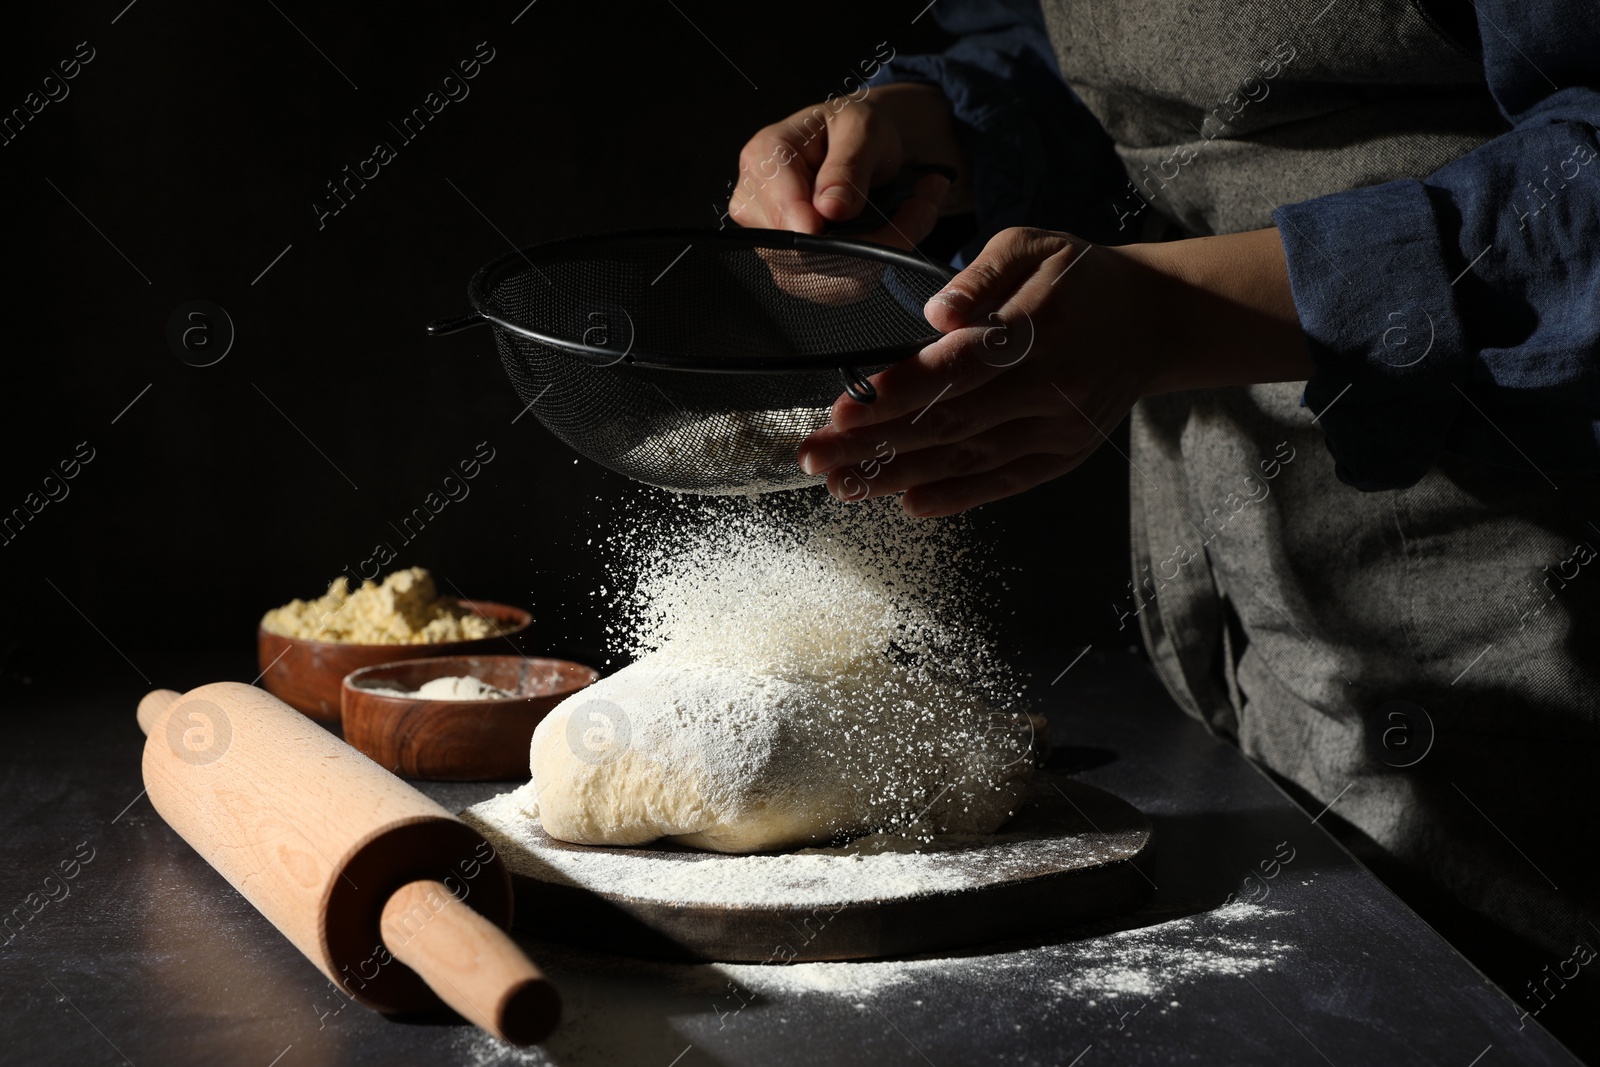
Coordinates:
[456,740]
[307,674]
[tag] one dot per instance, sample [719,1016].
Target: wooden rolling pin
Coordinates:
[365,875]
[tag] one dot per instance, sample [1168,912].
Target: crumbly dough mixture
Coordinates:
[405,609]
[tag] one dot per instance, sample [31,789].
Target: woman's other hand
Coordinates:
[817,165]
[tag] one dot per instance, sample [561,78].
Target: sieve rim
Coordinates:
[479,295]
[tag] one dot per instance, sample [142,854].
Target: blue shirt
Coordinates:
[1464,318]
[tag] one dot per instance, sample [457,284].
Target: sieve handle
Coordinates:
[440,327]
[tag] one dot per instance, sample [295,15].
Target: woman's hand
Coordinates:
[1048,341]
[817,165]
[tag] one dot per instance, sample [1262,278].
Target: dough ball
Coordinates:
[732,760]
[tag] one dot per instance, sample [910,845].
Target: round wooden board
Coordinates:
[1065,858]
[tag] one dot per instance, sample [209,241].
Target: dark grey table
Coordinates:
[148,957]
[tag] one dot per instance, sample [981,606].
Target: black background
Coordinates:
[184,161]
[196,142]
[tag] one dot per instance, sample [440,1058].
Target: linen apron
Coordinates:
[1425,660]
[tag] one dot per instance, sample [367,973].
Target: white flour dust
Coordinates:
[1147,961]
[879,867]
[454,687]
[1106,981]
[803,672]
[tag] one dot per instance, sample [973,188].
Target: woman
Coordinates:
[1340,261]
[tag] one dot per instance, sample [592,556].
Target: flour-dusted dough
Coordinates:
[722,758]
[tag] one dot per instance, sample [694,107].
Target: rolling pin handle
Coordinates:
[153,705]
[470,962]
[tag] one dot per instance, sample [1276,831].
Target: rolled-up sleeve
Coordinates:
[1459,314]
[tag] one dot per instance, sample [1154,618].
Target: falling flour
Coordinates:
[803,672]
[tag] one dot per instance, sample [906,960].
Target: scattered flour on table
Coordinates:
[1105,977]
[1144,961]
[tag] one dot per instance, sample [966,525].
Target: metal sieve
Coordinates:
[698,360]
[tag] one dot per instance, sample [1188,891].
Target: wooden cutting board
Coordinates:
[1066,858]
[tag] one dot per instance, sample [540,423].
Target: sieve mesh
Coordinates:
[694,360]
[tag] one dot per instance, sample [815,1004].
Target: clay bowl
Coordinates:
[456,740]
[307,674]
